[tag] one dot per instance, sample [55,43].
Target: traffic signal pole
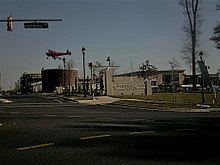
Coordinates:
[30,23]
[29,20]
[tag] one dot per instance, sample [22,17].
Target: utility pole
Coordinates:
[0,82]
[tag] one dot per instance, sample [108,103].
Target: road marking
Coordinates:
[94,137]
[187,129]
[35,146]
[15,113]
[141,132]
[139,119]
[74,116]
[50,115]
[105,118]
[59,101]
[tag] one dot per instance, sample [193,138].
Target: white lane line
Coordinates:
[74,116]
[35,146]
[186,129]
[14,113]
[139,119]
[105,118]
[50,115]
[94,137]
[141,132]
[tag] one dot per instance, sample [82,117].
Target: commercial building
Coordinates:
[30,83]
[134,83]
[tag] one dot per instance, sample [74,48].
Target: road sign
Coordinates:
[35,25]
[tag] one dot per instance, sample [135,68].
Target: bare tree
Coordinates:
[97,68]
[216,36]
[174,64]
[218,5]
[114,68]
[216,31]
[191,27]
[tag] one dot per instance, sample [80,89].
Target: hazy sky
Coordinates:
[129,31]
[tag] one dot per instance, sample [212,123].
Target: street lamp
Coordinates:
[64,74]
[108,59]
[202,83]
[84,72]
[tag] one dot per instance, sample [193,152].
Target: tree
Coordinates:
[216,31]
[216,36]
[174,65]
[218,5]
[148,70]
[191,27]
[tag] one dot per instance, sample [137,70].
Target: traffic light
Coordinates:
[9,23]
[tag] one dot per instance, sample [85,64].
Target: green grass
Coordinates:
[170,100]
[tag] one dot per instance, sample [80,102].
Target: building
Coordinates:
[59,80]
[30,83]
[134,83]
[215,79]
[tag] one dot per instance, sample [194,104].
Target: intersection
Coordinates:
[35,130]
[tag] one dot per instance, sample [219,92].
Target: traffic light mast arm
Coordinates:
[27,20]
[41,25]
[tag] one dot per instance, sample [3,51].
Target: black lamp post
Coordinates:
[202,83]
[64,74]
[108,59]
[84,72]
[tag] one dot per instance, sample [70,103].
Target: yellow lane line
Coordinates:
[142,132]
[94,137]
[35,146]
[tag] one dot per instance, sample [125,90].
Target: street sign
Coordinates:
[35,25]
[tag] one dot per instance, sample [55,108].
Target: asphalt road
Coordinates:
[39,130]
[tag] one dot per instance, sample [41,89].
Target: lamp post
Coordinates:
[108,59]
[202,83]
[64,74]
[84,72]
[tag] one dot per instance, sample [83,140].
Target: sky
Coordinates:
[129,31]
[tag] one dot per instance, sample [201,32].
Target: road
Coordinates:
[37,130]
